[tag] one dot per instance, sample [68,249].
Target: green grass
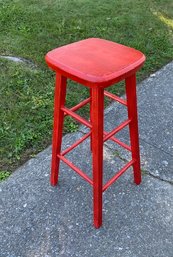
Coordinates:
[29,29]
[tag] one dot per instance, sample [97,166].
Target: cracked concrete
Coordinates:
[43,221]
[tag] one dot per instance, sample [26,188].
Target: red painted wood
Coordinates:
[78,106]
[133,126]
[115,97]
[59,101]
[76,169]
[76,144]
[116,140]
[76,116]
[117,129]
[97,152]
[95,61]
[91,117]
[118,174]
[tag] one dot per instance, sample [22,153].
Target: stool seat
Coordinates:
[95,61]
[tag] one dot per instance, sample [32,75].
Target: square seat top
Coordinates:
[95,60]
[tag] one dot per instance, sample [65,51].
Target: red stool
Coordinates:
[96,64]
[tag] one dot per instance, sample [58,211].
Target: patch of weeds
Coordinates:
[4,175]
[144,172]
[118,155]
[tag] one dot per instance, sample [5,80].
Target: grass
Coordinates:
[29,29]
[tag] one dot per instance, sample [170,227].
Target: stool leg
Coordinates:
[91,117]
[133,126]
[97,152]
[59,101]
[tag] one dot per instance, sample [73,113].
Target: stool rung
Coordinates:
[115,97]
[76,144]
[76,169]
[76,116]
[116,140]
[117,129]
[117,175]
[78,106]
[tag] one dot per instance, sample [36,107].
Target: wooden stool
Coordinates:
[96,64]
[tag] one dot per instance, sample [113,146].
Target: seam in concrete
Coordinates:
[116,153]
[155,146]
[146,172]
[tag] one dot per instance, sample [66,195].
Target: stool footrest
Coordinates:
[88,179]
[116,140]
[76,116]
[117,129]
[78,106]
[115,97]
[118,174]
[76,169]
[76,144]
